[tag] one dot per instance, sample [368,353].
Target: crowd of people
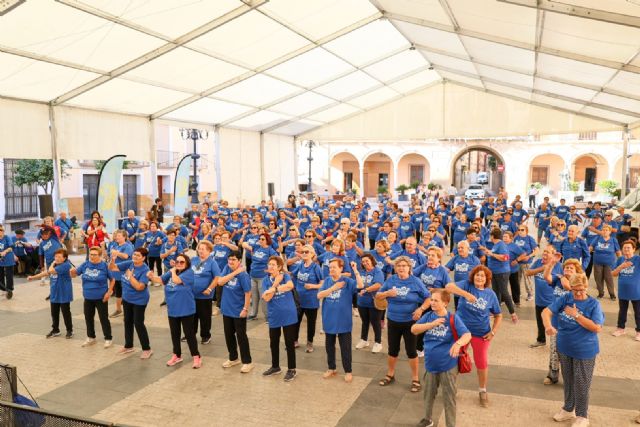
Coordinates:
[345,259]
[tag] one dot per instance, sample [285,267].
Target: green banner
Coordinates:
[109,191]
[181,186]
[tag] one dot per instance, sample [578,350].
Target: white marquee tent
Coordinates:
[105,68]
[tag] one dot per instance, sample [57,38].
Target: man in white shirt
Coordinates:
[533,192]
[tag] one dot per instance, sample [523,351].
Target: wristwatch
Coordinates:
[577,315]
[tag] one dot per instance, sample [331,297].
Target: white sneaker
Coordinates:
[420,354]
[618,332]
[377,348]
[230,363]
[362,344]
[580,422]
[246,368]
[564,415]
[108,343]
[88,342]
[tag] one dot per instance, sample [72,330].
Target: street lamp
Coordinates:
[309,143]
[194,135]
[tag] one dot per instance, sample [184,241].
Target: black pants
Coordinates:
[218,296]
[397,331]
[589,268]
[235,335]
[247,262]
[345,350]
[186,323]
[155,260]
[541,337]
[312,315]
[623,305]
[372,244]
[29,265]
[134,317]
[500,285]
[117,288]
[370,316]
[6,278]
[532,201]
[514,283]
[90,307]
[203,316]
[289,333]
[65,307]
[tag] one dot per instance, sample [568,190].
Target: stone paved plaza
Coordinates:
[96,382]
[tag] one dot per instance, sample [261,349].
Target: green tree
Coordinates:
[608,186]
[100,163]
[39,172]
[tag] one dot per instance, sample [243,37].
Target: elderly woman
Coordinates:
[560,284]
[477,306]
[606,250]
[407,300]
[441,329]
[277,292]
[336,293]
[529,246]
[307,277]
[259,255]
[372,278]
[544,289]
[498,263]
[628,273]
[205,273]
[579,319]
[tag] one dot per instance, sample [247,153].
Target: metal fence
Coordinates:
[8,383]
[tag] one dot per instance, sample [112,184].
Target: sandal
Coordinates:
[388,379]
[415,386]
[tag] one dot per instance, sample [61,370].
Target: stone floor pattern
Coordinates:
[96,382]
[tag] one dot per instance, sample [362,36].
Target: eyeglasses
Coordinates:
[181,262]
[522,229]
[262,239]
[561,225]
[308,235]
[292,229]
[305,252]
[254,228]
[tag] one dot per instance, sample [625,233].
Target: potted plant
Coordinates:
[40,172]
[382,191]
[402,188]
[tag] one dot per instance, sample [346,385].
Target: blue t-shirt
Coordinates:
[514,253]
[221,254]
[326,258]
[369,278]
[496,266]
[438,342]
[166,246]
[130,226]
[604,251]
[411,294]
[577,249]
[574,340]
[203,274]
[302,275]
[18,246]
[95,279]
[234,291]
[544,289]
[8,260]
[259,259]
[416,258]
[151,239]
[61,289]
[337,317]
[461,267]
[179,297]
[129,293]
[477,315]
[48,248]
[432,277]
[629,279]
[527,244]
[281,309]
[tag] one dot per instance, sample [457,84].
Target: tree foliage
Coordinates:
[608,186]
[100,163]
[39,172]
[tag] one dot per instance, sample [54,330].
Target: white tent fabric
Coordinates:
[287,66]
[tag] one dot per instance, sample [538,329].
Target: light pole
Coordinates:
[309,143]
[194,135]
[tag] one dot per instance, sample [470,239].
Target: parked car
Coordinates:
[475,191]
[482,178]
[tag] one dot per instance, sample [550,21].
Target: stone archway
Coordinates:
[589,169]
[471,161]
[413,167]
[546,169]
[633,171]
[344,172]
[378,171]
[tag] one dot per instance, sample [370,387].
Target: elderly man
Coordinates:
[65,225]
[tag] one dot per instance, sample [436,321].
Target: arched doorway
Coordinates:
[478,164]
[378,173]
[413,167]
[634,171]
[546,169]
[589,169]
[344,172]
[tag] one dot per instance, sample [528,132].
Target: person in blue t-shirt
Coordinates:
[605,250]
[372,278]
[260,254]
[135,297]
[153,241]
[131,224]
[235,309]
[498,261]
[122,250]
[307,278]
[337,294]
[181,308]
[205,273]
[579,320]
[170,249]
[543,287]
[7,262]
[529,246]
[97,288]
[61,292]
[516,255]
[628,273]
[49,244]
[277,292]
[407,300]
[444,335]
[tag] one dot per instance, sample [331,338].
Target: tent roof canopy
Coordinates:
[288,66]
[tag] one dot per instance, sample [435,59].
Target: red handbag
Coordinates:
[464,360]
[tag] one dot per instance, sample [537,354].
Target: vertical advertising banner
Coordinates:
[109,191]
[181,186]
